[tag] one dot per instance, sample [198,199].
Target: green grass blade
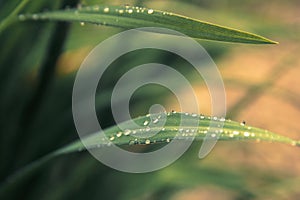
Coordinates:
[12,17]
[134,17]
[231,131]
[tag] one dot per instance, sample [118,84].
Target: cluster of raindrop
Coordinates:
[101,9]
[120,10]
[187,133]
[130,10]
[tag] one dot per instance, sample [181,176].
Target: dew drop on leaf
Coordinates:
[119,134]
[155,121]
[21,17]
[246,134]
[127,132]
[236,132]
[111,138]
[106,10]
[150,11]
[146,123]
[35,16]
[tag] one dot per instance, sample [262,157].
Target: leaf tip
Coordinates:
[267,41]
[273,42]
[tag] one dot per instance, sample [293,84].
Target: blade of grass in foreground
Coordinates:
[133,17]
[231,131]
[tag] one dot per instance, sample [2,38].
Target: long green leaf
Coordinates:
[133,17]
[229,132]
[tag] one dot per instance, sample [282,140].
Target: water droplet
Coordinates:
[35,16]
[111,138]
[82,23]
[127,132]
[222,119]
[147,141]
[246,134]
[155,121]
[131,142]
[235,132]
[119,134]
[22,17]
[150,11]
[293,143]
[146,123]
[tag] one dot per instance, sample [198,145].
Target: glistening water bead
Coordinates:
[127,132]
[155,121]
[167,132]
[150,11]
[21,17]
[106,10]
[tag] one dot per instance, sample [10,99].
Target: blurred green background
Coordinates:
[38,64]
